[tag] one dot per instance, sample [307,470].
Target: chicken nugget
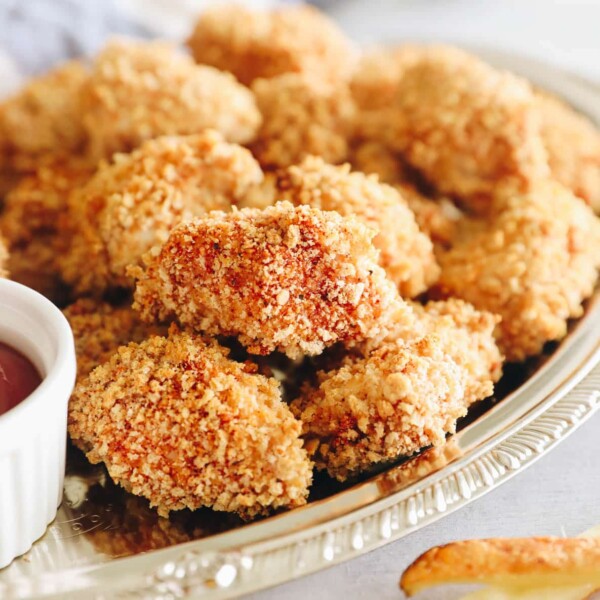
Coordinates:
[177,422]
[34,221]
[3,258]
[132,204]
[573,145]
[466,126]
[406,254]
[533,264]
[293,279]
[100,328]
[252,44]
[142,90]
[403,397]
[44,118]
[302,115]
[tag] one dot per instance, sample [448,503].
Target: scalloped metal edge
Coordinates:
[228,574]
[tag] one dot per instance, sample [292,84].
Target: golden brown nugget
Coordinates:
[44,118]
[401,398]
[406,254]
[3,258]
[34,221]
[533,264]
[302,115]
[519,563]
[179,423]
[466,126]
[132,204]
[292,279]
[252,44]
[573,145]
[100,328]
[379,72]
[142,90]
[436,217]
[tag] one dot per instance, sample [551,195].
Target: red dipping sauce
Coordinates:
[18,377]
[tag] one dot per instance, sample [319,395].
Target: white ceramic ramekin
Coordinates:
[33,433]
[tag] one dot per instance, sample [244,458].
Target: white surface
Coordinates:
[559,495]
[33,434]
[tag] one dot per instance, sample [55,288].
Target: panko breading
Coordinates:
[252,44]
[464,333]
[302,115]
[44,118]
[379,72]
[3,258]
[293,279]
[573,145]
[436,217]
[33,221]
[406,254]
[517,563]
[141,90]
[401,398]
[466,126]
[179,423]
[132,204]
[533,264]
[100,328]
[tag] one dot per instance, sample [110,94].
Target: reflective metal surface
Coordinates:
[106,543]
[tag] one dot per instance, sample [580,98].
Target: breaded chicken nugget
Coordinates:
[44,118]
[252,44]
[406,254]
[100,328]
[179,423]
[436,217]
[3,258]
[379,72]
[141,90]
[33,221]
[133,203]
[466,126]
[573,145]
[302,115]
[293,279]
[533,264]
[463,332]
[401,398]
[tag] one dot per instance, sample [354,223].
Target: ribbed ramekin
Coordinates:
[33,433]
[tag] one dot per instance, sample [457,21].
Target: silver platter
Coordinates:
[105,543]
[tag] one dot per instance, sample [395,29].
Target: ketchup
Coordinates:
[18,378]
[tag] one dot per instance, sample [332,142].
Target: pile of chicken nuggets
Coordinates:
[402,220]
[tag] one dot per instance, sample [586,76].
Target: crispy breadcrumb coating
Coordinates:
[406,254]
[436,217]
[533,264]
[466,334]
[44,118]
[466,126]
[132,204]
[100,328]
[3,258]
[401,398]
[302,115]
[573,145]
[293,279]
[379,72]
[141,90]
[33,220]
[252,43]
[179,423]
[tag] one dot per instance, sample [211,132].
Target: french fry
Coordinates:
[517,563]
